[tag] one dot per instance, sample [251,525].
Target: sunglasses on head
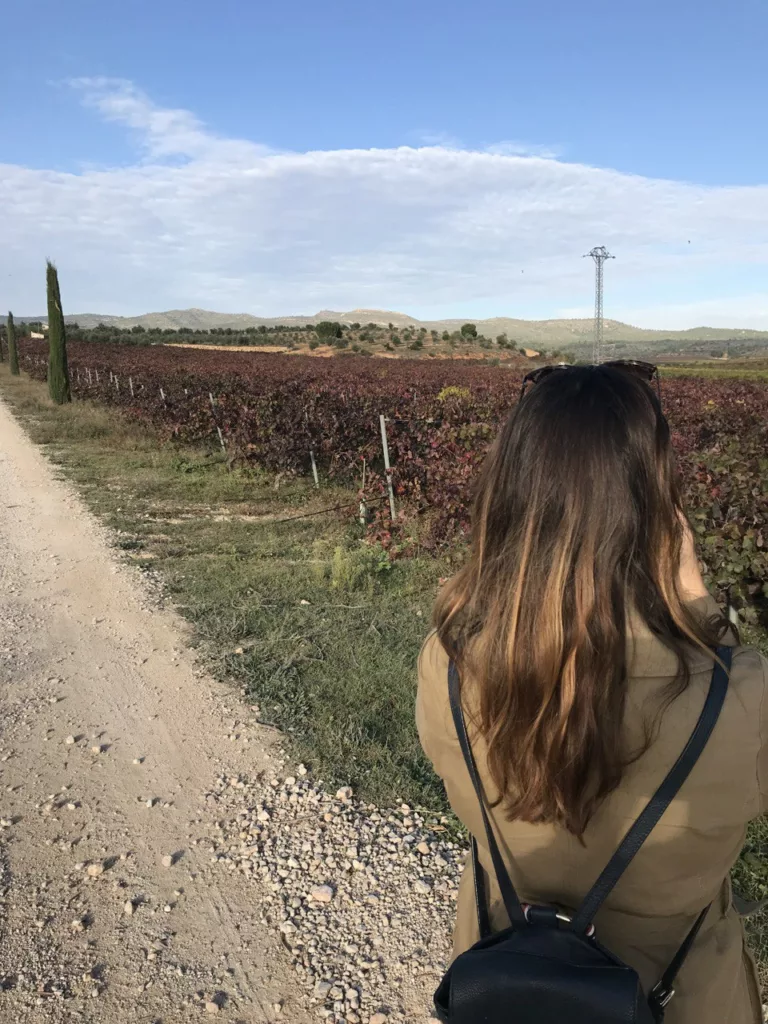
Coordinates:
[635,367]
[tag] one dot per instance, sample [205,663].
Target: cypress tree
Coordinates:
[58,371]
[2,357]
[13,352]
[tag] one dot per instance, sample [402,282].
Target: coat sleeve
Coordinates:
[425,697]
[433,712]
[762,757]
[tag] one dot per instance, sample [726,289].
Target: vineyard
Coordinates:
[271,411]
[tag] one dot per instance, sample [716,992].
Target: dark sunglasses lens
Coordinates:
[535,376]
[646,371]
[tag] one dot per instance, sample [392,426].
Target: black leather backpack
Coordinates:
[548,966]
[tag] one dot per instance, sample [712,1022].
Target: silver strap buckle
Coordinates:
[565,918]
[662,996]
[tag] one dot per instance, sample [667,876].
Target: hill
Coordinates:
[568,335]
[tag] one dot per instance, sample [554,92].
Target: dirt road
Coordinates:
[110,744]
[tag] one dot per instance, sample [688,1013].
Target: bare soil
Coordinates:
[111,740]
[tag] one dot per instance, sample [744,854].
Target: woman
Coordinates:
[582,631]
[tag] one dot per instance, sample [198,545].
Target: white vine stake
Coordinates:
[314,468]
[218,428]
[130,385]
[385,447]
[363,506]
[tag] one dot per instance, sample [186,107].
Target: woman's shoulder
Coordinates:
[433,657]
[749,661]
[749,678]
[433,673]
[433,716]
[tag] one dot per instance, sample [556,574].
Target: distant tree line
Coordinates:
[353,338]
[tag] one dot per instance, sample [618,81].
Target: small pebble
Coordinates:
[321,894]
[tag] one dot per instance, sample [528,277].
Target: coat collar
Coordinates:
[647,656]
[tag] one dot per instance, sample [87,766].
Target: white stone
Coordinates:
[321,894]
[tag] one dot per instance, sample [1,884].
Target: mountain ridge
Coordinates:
[563,333]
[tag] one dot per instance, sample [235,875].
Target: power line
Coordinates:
[599,254]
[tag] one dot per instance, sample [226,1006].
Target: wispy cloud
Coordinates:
[162,132]
[435,138]
[509,147]
[517,148]
[226,223]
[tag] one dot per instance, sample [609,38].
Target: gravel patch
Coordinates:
[363,899]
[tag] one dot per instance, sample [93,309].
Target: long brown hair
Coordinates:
[577,522]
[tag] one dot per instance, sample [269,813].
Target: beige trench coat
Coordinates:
[685,862]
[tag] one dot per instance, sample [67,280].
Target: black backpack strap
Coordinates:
[481,897]
[661,799]
[663,992]
[511,900]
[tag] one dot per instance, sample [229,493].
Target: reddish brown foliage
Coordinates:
[273,409]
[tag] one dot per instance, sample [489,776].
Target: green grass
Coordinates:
[713,372]
[337,673]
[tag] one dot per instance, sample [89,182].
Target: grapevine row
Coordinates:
[272,411]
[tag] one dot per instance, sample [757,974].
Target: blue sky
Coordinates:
[445,159]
